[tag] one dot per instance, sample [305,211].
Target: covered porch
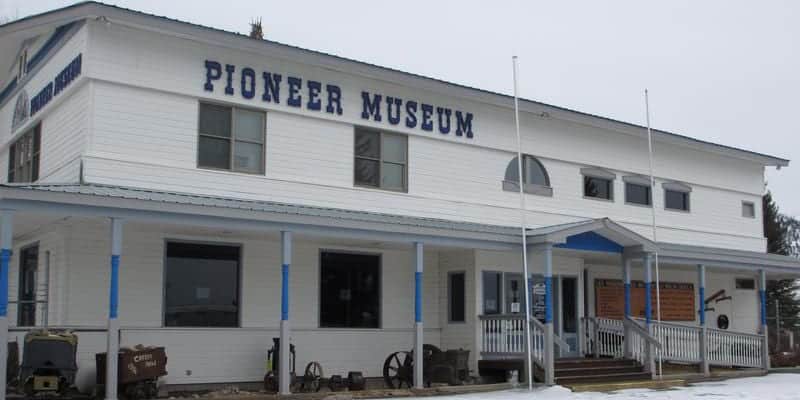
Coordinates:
[598,300]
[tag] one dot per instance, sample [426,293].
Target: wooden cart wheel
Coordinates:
[312,377]
[398,370]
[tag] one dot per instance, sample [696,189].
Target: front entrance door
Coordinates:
[565,309]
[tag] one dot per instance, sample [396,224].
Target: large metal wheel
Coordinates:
[271,382]
[398,370]
[312,377]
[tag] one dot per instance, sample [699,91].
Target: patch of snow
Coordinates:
[770,387]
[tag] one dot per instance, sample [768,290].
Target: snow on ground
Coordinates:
[770,387]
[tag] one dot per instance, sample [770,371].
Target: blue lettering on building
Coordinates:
[57,85]
[315,95]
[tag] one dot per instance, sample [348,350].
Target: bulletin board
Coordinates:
[677,300]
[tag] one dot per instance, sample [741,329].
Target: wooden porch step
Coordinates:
[602,370]
[603,378]
[594,363]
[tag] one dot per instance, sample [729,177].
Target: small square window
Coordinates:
[748,209]
[676,200]
[638,194]
[745,284]
[598,188]
[231,139]
[381,160]
[350,290]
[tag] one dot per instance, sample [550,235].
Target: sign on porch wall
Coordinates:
[677,300]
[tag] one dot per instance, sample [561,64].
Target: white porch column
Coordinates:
[701,280]
[648,310]
[419,262]
[284,376]
[6,241]
[762,292]
[626,281]
[113,304]
[549,346]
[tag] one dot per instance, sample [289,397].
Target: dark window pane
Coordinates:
[492,290]
[637,194]
[350,291]
[597,187]
[215,120]
[214,153]
[24,156]
[368,144]
[677,200]
[746,284]
[367,172]
[202,285]
[28,262]
[457,293]
[12,154]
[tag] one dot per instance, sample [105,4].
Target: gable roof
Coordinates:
[91,9]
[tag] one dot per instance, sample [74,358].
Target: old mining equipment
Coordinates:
[49,362]
[451,367]
[138,371]
[311,381]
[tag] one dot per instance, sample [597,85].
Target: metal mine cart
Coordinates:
[49,363]
[138,371]
[451,367]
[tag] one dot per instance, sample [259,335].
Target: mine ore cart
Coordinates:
[138,369]
[451,367]
[49,363]
[311,381]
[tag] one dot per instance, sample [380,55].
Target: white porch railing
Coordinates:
[678,342]
[735,349]
[503,336]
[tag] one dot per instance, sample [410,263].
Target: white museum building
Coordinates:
[172,184]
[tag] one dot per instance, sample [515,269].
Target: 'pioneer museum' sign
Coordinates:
[677,300]
[312,95]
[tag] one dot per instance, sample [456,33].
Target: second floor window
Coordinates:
[24,155]
[231,138]
[381,160]
[534,177]
[638,194]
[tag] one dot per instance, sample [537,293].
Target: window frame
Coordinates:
[381,134]
[450,274]
[22,70]
[239,281]
[688,201]
[642,181]
[528,188]
[751,204]
[232,139]
[34,135]
[320,252]
[500,295]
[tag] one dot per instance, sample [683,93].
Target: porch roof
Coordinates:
[604,227]
[227,212]
[231,213]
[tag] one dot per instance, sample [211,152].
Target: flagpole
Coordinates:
[523,228]
[653,215]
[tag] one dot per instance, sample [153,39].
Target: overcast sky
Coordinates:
[724,71]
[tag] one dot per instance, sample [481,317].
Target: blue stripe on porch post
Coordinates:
[113,312]
[701,280]
[549,344]
[762,294]
[284,378]
[419,263]
[6,242]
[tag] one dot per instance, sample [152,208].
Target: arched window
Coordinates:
[534,177]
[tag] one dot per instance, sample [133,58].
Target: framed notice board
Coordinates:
[677,300]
